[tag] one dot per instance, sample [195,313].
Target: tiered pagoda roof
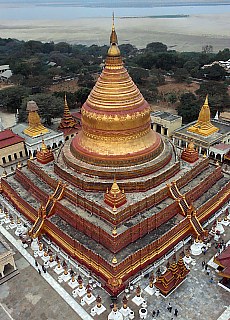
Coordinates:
[68,124]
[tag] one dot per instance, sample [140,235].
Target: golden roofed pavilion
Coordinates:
[35,127]
[203,126]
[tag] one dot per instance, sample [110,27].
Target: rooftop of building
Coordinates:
[223,126]
[165,115]
[222,146]
[9,138]
[19,130]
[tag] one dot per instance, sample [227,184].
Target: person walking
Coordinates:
[203,264]
[176,312]
[157,314]
[154,313]
[169,307]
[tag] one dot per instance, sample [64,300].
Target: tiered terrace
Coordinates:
[86,233]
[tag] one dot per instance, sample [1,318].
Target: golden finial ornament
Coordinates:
[113,36]
[191,146]
[115,188]
[205,155]
[114,232]
[19,165]
[113,50]
[114,208]
[114,260]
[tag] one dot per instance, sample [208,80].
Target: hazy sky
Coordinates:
[119,2]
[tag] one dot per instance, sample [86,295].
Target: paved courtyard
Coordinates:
[29,296]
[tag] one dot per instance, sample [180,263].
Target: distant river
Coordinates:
[10,11]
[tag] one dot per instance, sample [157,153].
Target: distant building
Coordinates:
[4,67]
[6,256]
[5,72]
[35,132]
[205,132]
[164,122]
[223,64]
[12,147]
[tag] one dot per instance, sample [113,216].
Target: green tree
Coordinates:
[223,55]
[217,93]
[181,75]
[11,98]
[156,47]
[150,93]
[82,95]
[139,75]
[188,107]
[215,72]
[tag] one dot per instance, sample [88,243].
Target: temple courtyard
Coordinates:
[30,295]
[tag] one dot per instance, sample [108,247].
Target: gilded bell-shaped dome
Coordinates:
[115,119]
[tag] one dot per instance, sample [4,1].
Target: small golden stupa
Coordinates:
[35,127]
[115,197]
[190,154]
[44,155]
[203,126]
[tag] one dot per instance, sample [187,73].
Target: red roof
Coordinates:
[224,260]
[8,138]
[222,146]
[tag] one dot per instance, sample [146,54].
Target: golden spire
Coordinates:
[44,147]
[113,36]
[113,50]
[115,188]
[203,126]
[66,107]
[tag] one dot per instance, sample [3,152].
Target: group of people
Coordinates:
[169,308]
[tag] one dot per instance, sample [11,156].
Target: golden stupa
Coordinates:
[115,118]
[203,126]
[35,127]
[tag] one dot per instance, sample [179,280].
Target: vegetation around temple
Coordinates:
[43,71]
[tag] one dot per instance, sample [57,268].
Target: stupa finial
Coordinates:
[44,147]
[206,100]
[113,36]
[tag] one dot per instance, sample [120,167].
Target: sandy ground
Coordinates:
[7,119]
[183,34]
